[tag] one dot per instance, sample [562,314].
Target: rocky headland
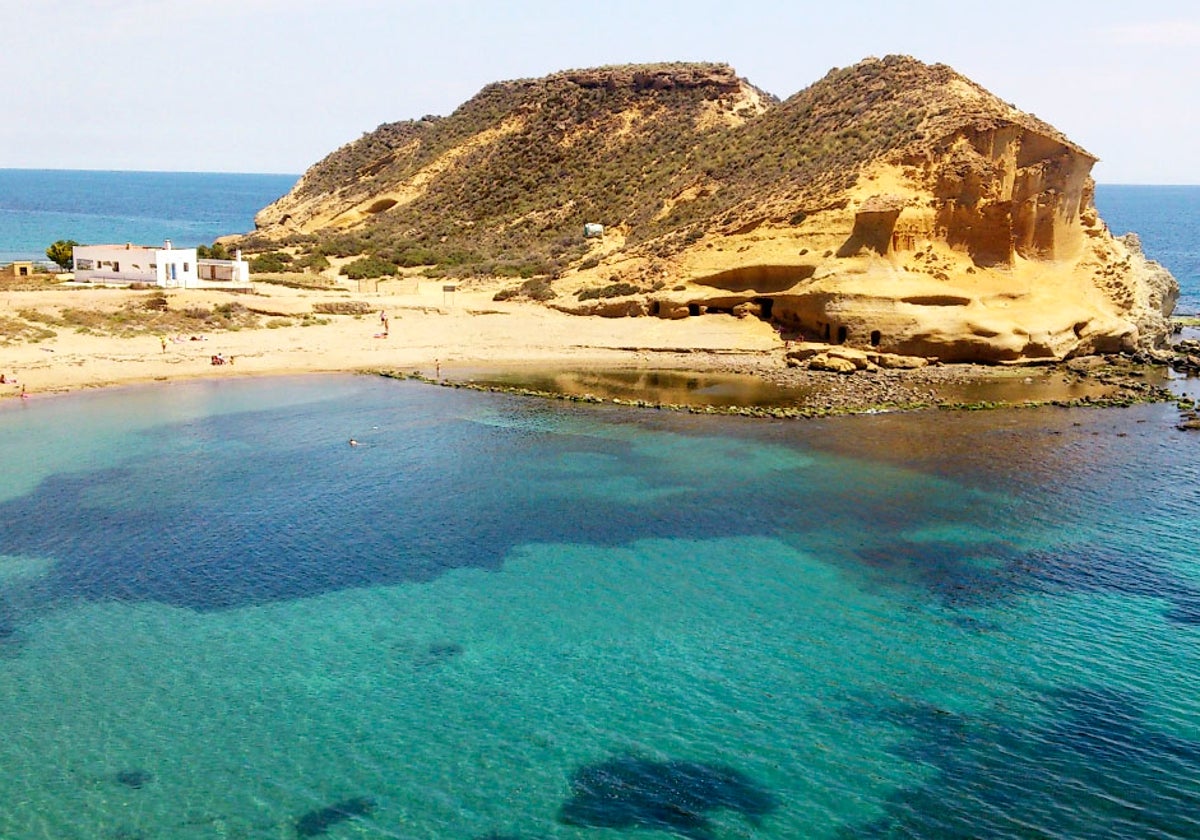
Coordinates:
[893,208]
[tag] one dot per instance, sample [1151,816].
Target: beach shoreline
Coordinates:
[465,338]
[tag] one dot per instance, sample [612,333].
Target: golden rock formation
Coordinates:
[894,207]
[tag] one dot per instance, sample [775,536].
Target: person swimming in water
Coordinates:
[353,442]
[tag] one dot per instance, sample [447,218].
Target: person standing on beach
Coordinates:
[163,340]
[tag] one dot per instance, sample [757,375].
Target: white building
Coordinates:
[166,267]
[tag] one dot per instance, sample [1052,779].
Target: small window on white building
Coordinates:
[185,268]
[116,266]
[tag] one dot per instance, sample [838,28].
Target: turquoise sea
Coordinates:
[40,206]
[499,617]
[504,618]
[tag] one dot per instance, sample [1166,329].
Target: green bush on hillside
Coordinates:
[537,288]
[272,262]
[311,262]
[610,291]
[369,267]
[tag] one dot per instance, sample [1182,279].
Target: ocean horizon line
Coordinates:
[68,169]
[1167,185]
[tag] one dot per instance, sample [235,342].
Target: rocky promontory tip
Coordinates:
[893,206]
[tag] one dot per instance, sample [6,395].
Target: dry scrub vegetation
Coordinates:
[632,146]
[144,315]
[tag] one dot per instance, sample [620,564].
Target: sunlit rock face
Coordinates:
[892,206]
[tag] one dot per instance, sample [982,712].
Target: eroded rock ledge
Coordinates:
[983,246]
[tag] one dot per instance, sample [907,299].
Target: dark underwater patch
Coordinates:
[1091,766]
[124,833]
[676,796]
[1121,570]
[965,576]
[319,821]
[433,655]
[1107,724]
[135,778]
[214,532]
[959,574]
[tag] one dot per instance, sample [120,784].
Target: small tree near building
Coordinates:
[60,253]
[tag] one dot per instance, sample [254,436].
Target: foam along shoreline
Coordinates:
[519,347]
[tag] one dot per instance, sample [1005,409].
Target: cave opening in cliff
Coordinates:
[382,205]
[766,306]
[842,333]
[876,337]
[655,307]
[693,309]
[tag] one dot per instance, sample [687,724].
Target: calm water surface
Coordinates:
[40,206]
[1167,220]
[512,618]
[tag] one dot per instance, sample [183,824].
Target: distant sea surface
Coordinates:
[1167,219]
[40,206]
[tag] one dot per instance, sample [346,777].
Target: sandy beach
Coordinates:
[63,339]
[428,328]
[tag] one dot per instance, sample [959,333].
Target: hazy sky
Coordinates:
[274,85]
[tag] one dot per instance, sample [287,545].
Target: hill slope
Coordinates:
[892,204]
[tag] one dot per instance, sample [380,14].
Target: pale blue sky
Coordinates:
[274,85]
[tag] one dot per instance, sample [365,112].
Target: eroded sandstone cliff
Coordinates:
[892,205]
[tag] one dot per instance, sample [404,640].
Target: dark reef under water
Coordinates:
[304,523]
[135,778]
[319,821]
[676,796]
[1012,774]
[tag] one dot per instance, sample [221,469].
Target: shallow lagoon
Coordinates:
[507,617]
[956,385]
